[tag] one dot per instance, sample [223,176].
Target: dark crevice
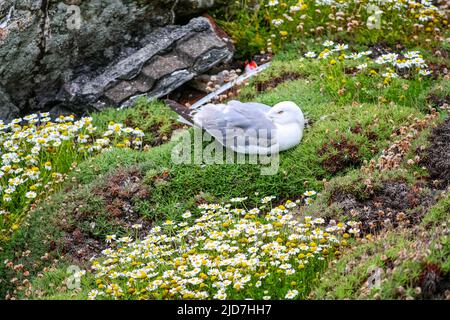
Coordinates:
[42,45]
[436,158]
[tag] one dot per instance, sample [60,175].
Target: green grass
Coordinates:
[150,116]
[187,183]
[296,166]
[174,188]
[336,84]
[61,284]
[313,21]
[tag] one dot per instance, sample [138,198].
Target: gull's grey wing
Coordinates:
[254,105]
[237,124]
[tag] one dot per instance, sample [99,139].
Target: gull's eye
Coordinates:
[280,112]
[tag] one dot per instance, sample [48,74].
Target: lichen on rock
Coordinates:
[50,48]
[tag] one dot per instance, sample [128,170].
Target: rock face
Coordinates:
[173,56]
[80,55]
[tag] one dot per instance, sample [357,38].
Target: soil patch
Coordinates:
[436,157]
[434,283]
[438,69]
[276,81]
[121,190]
[186,95]
[437,101]
[383,47]
[119,193]
[339,154]
[396,203]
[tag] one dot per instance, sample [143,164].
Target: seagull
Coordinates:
[250,127]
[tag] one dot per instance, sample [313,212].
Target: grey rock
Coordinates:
[47,45]
[163,65]
[200,44]
[7,109]
[173,56]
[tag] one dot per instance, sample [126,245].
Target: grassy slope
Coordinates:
[402,255]
[405,256]
[300,169]
[297,166]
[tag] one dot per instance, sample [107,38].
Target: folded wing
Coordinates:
[240,126]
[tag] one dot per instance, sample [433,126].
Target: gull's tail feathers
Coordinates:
[183,112]
[184,121]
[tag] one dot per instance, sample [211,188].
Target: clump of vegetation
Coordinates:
[346,75]
[366,76]
[339,154]
[37,153]
[229,252]
[153,118]
[75,221]
[269,24]
[403,212]
[402,263]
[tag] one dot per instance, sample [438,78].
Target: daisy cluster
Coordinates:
[421,10]
[422,7]
[227,252]
[36,151]
[297,18]
[389,65]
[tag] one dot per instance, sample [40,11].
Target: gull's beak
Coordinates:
[270,116]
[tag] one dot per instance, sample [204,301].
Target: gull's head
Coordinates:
[286,112]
